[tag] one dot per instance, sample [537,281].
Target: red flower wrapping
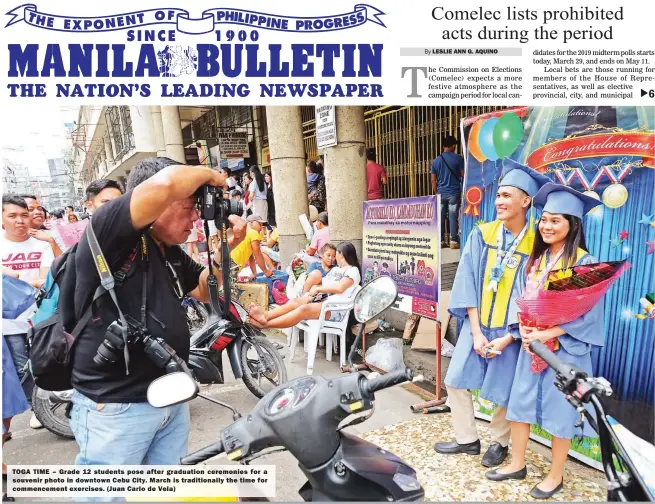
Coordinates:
[543,309]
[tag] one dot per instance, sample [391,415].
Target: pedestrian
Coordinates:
[111,418]
[447,173]
[30,258]
[486,285]
[258,194]
[247,201]
[376,176]
[13,401]
[271,200]
[535,399]
[192,244]
[37,221]
[100,192]
[316,191]
[249,250]
[319,238]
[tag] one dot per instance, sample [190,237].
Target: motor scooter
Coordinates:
[626,466]
[296,415]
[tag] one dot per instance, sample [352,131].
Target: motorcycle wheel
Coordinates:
[196,315]
[51,415]
[275,372]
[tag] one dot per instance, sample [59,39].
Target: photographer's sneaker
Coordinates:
[34,422]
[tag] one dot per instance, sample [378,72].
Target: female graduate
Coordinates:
[560,244]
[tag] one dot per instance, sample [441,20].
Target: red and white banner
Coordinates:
[605,144]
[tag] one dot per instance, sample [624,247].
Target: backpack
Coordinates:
[50,342]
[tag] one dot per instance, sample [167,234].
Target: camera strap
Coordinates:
[212,281]
[108,283]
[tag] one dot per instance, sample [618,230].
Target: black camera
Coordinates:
[213,206]
[157,350]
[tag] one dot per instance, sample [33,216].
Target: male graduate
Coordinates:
[487,282]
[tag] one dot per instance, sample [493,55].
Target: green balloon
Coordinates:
[508,134]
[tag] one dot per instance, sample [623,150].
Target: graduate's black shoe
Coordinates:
[541,494]
[495,455]
[494,475]
[453,447]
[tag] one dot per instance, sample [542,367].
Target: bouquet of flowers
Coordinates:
[562,296]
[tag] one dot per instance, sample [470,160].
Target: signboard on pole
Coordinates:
[233,144]
[401,240]
[326,126]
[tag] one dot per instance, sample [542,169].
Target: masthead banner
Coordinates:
[185,23]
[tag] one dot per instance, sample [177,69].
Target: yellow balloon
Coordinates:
[593,194]
[615,196]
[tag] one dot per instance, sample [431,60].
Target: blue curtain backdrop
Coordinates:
[627,359]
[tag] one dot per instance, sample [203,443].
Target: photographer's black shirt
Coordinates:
[108,383]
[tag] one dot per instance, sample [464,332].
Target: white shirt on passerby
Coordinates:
[335,275]
[25,258]
[259,195]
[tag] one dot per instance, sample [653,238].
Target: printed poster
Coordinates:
[401,240]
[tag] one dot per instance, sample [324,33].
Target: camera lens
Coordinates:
[233,207]
[106,354]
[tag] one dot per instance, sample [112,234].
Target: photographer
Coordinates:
[111,418]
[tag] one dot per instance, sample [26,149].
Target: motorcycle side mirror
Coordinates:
[374,298]
[172,389]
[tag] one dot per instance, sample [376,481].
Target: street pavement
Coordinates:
[30,446]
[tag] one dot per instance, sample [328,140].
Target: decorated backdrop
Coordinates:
[607,153]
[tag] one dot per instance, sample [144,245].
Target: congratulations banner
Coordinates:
[638,143]
[206,23]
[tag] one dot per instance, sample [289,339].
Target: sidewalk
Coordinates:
[461,477]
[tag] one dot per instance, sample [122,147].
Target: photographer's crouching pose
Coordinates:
[111,418]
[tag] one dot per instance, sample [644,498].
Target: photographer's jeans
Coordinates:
[128,433]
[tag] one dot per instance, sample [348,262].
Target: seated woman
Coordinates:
[320,238]
[269,251]
[318,270]
[534,399]
[340,280]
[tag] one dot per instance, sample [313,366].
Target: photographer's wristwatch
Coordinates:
[216,265]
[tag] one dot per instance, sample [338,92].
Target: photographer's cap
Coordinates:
[560,199]
[523,177]
[255,218]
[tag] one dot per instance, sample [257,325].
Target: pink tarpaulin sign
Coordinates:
[71,233]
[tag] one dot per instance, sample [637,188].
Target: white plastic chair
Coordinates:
[316,328]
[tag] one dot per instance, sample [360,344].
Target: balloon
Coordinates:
[615,196]
[593,194]
[473,145]
[486,139]
[507,134]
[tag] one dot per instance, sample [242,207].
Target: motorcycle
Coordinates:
[196,313]
[625,457]
[295,415]
[253,358]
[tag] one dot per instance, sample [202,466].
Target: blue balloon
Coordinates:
[486,139]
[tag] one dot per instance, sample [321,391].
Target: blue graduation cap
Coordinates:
[559,199]
[517,175]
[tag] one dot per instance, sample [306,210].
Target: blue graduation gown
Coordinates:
[535,399]
[467,370]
